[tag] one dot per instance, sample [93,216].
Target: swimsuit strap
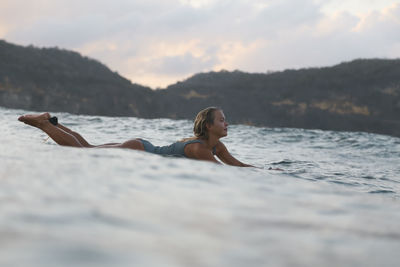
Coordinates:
[214,149]
[194,141]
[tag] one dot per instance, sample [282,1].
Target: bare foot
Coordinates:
[36,120]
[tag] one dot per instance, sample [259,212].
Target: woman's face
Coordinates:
[220,126]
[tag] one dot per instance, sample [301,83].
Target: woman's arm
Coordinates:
[226,157]
[197,151]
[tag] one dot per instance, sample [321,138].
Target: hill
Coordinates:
[59,80]
[361,95]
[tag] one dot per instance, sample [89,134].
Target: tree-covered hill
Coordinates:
[361,95]
[357,95]
[60,80]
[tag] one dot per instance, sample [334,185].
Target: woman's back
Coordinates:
[176,149]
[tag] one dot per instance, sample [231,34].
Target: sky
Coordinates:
[159,42]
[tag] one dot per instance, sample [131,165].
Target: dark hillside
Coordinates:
[60,80]
[361,95]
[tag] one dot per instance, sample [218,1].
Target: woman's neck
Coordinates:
[212,141]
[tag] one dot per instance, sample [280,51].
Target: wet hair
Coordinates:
[204,117]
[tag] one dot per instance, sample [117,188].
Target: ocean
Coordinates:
[336,202]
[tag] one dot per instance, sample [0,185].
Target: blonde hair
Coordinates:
[204,117]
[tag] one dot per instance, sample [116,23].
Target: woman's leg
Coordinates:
[77,135]
[60,136]
[131,144]
[66,137]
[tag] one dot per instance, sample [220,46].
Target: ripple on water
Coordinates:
[70,206]
[382,191]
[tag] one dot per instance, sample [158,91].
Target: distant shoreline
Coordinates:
[361,95]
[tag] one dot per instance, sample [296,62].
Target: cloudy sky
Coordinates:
[158,42]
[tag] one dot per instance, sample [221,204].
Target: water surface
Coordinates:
[335,204]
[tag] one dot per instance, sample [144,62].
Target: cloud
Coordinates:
[384,24]
[324,40]
[155,42]
[330,40]
[183,64]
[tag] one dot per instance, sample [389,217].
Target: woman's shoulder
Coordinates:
[219,147]
[220,143]
[188,139]
[194,143]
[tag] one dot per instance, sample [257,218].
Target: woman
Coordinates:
[209,127]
